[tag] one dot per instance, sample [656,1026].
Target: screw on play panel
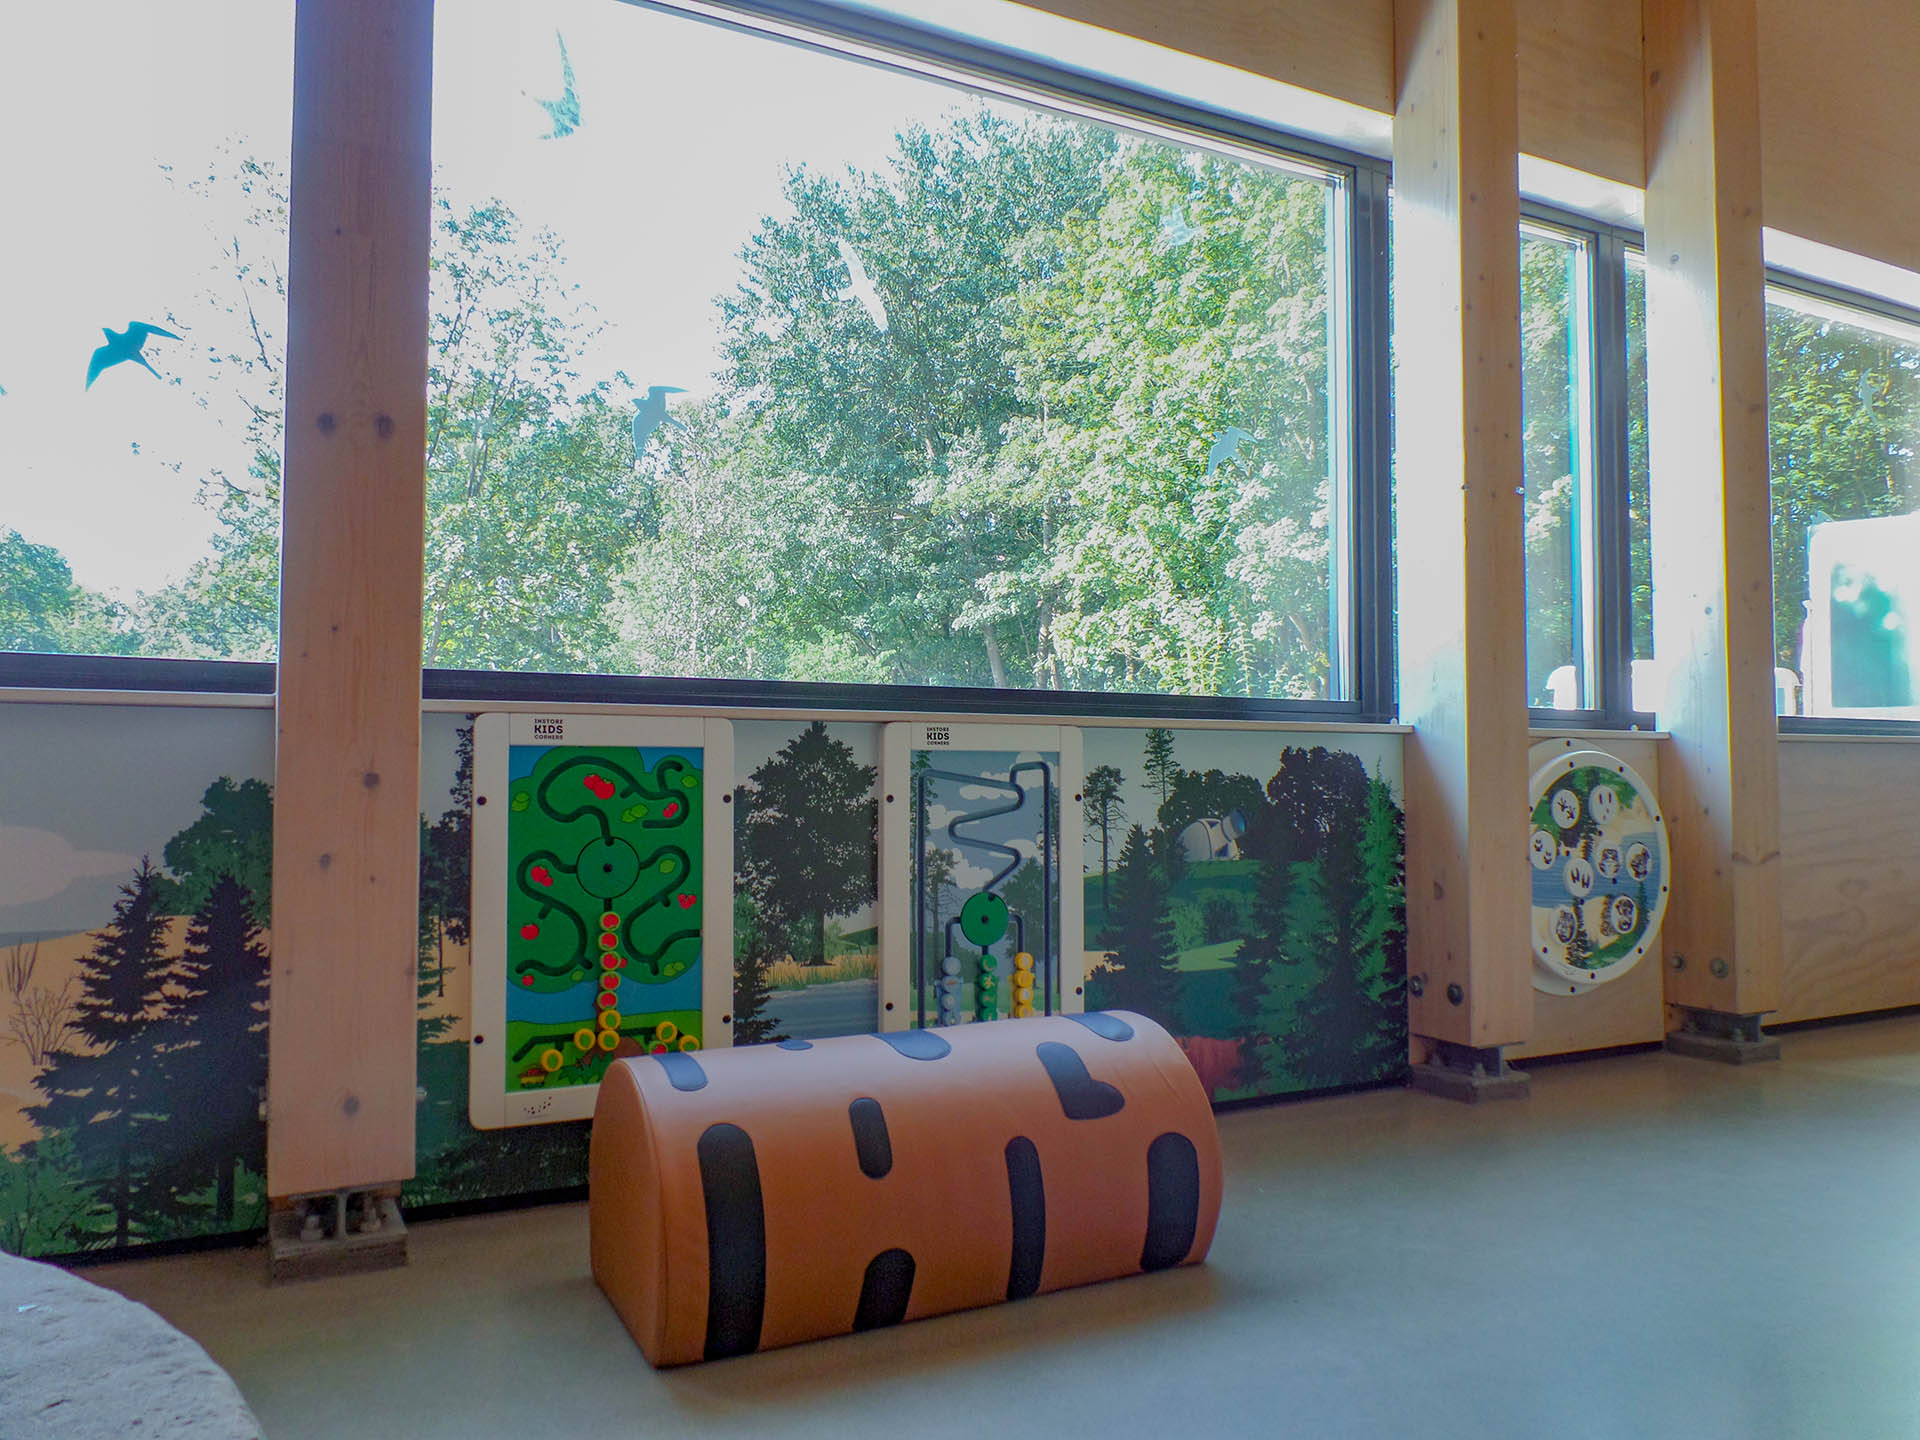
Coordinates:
[1455,994]
[1678,962]
[1417,984]
[1719,967]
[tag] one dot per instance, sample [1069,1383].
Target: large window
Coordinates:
[900,383]
[1843,409]
[1583,385]
[1556,339]
[142,326]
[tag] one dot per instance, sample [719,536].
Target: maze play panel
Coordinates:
[596,843]
[981,922]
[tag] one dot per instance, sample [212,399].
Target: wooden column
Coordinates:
[1712,565]
[347,763]
[1462,587]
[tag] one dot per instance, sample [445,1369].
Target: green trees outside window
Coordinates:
[1021,400]
[1556,420]
[1843,422]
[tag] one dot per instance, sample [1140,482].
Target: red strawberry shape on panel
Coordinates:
[540,875]
[602,788]
[529,932]
[686,902]
[673,809]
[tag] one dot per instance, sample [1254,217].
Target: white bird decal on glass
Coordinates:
[862,287]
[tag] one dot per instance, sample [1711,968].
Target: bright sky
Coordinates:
[684,129]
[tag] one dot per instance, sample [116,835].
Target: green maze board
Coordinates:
[596,844]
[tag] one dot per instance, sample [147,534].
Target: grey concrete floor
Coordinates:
[1649,1246]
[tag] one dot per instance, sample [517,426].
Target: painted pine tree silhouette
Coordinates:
[1376,1038]
[215,1058]
[1104,809]
[110,1101]
[446,864]
[751,992]
[1303,957]
[1141,934]
[1159,763]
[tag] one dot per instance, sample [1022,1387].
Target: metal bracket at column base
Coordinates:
[1468,1072]
[336,1232]
[1720,1035]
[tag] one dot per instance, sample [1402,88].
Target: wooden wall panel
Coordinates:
[1580,86]
[1341,48]
[1579,61]
[347,787]
[1462,647]
[1849,876]
[1839,110]
[1840,123]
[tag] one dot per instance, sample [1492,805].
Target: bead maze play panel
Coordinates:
[980,921]
[596,841]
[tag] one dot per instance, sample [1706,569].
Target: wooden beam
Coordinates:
[1462,587]
[1712,564]
[1840,143]
[346,768]
[1580,87]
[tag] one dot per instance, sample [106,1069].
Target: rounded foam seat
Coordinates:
[750,1198]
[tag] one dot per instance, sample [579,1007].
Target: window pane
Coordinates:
[1553,329]
[141,326]
[904,385]
[1639,480]
[1843,407]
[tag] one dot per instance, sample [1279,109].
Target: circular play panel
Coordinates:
[1598,851]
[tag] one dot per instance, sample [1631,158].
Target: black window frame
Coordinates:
[1367,558]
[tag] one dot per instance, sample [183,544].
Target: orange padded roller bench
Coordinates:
[746,1199]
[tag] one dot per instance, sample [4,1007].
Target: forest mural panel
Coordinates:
[1245,888]
[806,871]
[135,849]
